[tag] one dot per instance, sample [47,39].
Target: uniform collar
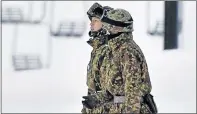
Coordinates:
[96,42]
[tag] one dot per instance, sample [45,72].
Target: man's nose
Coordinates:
[91,24]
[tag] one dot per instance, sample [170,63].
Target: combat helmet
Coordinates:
[117,20]
[96,10]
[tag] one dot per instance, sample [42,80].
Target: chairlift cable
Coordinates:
[15,39]
[148,16]
[30,4]
[49,44]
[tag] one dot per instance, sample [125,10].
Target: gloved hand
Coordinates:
[97,99]
[90,101]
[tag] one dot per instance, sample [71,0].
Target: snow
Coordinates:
[59,88]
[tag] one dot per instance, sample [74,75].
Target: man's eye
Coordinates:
[94,20]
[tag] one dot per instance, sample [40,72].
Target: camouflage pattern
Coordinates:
[97,55]
[119,67]
[118,15]
[91,12]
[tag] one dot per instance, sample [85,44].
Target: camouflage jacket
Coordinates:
[120,68]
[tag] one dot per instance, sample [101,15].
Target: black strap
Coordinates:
[116,23]
[111,36]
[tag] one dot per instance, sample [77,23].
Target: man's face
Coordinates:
[95,24]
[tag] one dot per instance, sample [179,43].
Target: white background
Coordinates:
[59,89]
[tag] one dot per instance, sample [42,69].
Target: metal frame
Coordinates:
[72,25]
[20,14]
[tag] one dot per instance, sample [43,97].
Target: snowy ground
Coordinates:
[59,89]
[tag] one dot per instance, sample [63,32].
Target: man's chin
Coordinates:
[93,30]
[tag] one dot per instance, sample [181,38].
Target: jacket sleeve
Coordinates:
[131,71]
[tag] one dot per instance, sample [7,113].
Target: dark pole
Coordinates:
[171,25]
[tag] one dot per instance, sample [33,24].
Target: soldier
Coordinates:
[117,78]
[97,41]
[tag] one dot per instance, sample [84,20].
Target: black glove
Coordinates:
[90,101]
[97,99]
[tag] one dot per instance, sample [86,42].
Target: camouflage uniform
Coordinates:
[97,55]
[118,68]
